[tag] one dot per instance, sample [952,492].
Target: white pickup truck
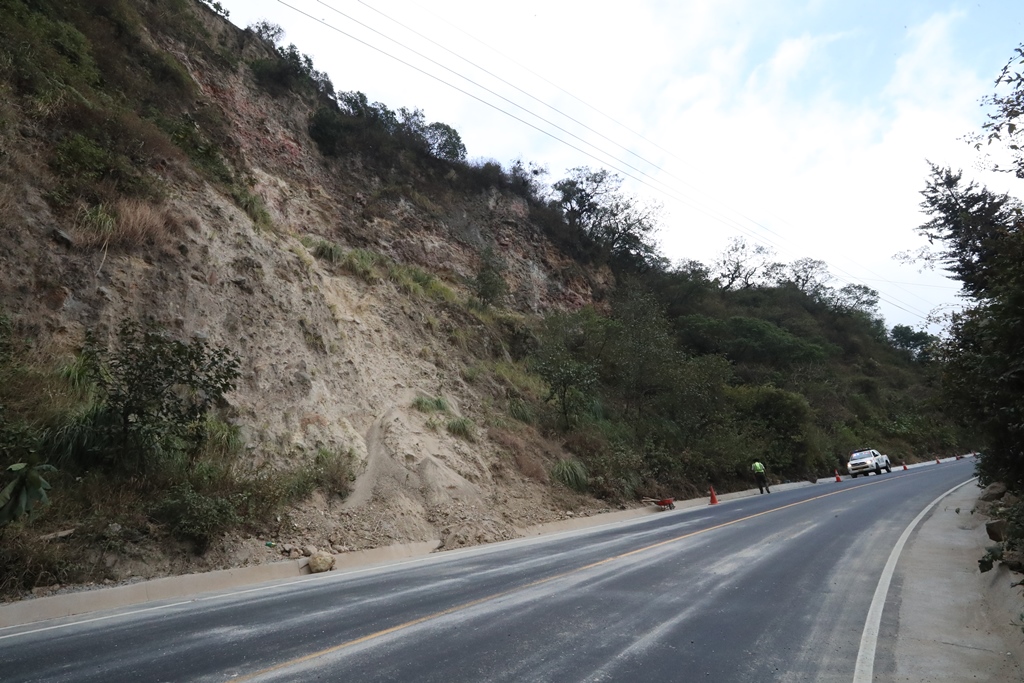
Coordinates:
[867,460]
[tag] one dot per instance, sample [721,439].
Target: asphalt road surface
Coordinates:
[768,588]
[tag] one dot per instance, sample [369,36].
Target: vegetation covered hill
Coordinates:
[240,306]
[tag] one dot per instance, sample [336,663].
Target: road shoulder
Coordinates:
[955,623]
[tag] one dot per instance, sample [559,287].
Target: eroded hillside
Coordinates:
[341,289]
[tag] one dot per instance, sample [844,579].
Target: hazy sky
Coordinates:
[805,126]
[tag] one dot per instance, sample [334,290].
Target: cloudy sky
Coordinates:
[802,125]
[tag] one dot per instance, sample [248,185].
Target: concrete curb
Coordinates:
[170,587]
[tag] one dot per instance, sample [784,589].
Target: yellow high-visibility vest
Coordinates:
[757,467]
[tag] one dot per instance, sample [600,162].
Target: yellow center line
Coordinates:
[555,577]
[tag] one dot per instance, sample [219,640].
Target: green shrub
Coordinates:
[217,8]
[290,72]
[265,30]
[438,290]
[154,396]
[195,516]
[489,284]
[186,133]
[572,473]
[257,495]
[417,282]
[98,222]
[76,374]
[25,493]
[78,156]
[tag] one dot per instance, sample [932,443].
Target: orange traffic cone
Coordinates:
[838,478]
[714,498]
[904,466]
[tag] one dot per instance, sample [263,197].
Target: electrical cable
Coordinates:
[723,219]
[728,221]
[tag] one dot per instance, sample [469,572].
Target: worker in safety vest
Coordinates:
[762,480]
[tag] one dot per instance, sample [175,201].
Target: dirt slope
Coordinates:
[329,361]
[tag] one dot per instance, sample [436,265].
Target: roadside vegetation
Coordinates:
[979,240]
[128,434]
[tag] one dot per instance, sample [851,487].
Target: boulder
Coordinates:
[996,530]
[321,561]
[309,550]
[993,491]
[62,238]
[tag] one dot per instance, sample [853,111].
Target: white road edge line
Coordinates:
[865,670]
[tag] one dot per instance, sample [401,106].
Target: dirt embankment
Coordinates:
[329,360]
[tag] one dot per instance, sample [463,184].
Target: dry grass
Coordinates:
[517,443]
[128,224]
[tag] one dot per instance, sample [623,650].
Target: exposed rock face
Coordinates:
[321,561]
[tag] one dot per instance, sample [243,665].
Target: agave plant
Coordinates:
[26,493]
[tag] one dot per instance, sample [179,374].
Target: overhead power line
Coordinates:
[665,190]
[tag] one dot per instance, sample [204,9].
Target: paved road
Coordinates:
[768,588]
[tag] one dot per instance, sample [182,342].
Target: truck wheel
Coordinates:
[879,471]
[888,468]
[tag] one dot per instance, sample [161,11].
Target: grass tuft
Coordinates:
[328,251]
[333,471]
[462,427]
[253,206]
[364,264]
[127,224]
[572,473]
[430,404]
